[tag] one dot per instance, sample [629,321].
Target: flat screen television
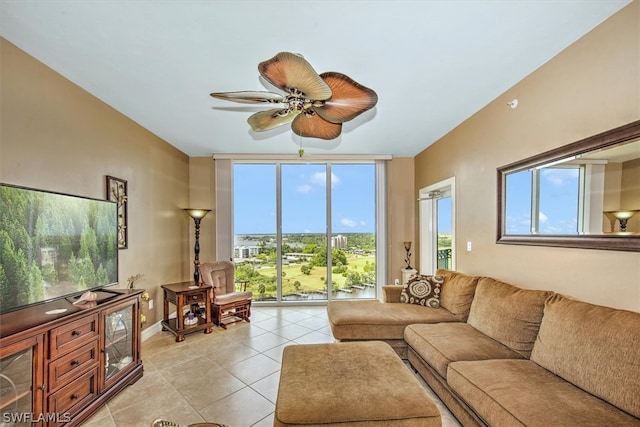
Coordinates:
[54,245]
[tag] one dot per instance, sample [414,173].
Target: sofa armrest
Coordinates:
[391,293]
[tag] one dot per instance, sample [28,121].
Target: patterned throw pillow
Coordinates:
[422,290]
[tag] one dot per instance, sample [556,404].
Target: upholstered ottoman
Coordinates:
[350,384]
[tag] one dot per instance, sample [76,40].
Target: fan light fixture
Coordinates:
[315,104]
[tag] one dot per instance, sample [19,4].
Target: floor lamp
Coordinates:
[197,215]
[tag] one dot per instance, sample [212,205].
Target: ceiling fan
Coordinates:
[315,104]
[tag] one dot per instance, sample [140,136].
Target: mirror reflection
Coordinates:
[592,193]
[584,195]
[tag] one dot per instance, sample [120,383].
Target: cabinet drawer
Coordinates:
[72,335]
[71,399]
[70,365]
[193,298]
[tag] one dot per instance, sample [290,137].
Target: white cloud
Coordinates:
[321,178]
[348,222]
[304,188]
[542,218]
[560,176]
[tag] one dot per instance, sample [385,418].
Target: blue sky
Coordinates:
[304,194]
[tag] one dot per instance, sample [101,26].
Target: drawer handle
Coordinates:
[75,362]
[75,333]
[75,396]
[42,387]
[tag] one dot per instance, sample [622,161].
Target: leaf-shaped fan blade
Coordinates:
[348,100]
[287,70]
[269,119]
[249,97]
[313,126]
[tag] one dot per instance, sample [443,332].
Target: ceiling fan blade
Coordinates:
[269,119]
[314,126]
[287,70]
[348,100]
[249,97]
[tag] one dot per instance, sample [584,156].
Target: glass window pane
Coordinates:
[304,225]
[559,192]
[353,230]
[306,236]
[444,233]
[254,222]
[518,206]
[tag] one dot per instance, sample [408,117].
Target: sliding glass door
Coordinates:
[305,231]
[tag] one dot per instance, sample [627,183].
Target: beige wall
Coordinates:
[55,136]
[202,196]
[590,87]
[401,201]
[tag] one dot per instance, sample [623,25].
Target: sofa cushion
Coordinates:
[457,292]
[372,319]
[596,348]
[442,343]
[423,290]
[507,313]
[521,393]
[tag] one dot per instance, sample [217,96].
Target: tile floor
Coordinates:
[229,376]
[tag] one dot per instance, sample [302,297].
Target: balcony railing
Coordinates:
[444,259]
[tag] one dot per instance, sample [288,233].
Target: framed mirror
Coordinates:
[582,195]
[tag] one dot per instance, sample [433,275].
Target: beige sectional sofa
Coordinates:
[500,355]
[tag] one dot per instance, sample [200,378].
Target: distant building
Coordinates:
[339,241]
[246,251]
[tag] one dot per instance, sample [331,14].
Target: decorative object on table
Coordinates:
[85,298]
[191,319]
[315,104]
[422,290]
[622,216]
[117,192]
[407,248]
[197,215]
[131,280]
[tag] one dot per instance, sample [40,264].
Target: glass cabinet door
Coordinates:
[119,342]
[19,382]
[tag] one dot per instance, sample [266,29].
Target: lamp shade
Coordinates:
[197,213]
[623,214]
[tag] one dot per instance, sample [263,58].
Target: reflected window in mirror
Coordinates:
[556,199]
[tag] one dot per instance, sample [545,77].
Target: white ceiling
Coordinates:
[432,63]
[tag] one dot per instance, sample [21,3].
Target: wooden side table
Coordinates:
[181,294]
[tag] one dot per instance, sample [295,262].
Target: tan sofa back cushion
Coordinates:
[457,292]
[594,347]
[508,314]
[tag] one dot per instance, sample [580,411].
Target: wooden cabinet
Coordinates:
[60,362]
[21,380]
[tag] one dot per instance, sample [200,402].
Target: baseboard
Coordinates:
[156,327]
[147,333]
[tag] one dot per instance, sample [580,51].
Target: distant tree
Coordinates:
[338,257]
[369,266]
[305,269]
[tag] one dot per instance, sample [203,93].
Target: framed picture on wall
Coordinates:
[117,192]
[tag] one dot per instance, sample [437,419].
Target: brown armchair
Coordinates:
[226,302]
